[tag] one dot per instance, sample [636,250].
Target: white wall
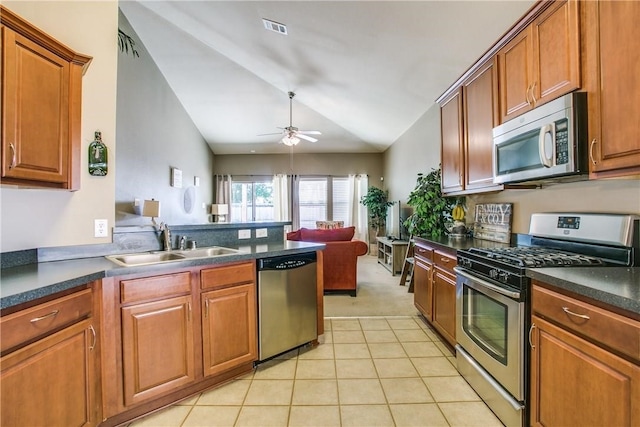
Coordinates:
[155,133]
[416,151]
[45,218]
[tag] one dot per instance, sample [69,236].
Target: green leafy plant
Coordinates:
[377,203]
[125,42]
[431,210]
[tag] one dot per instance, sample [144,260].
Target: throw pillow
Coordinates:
[335,235]
[329,225]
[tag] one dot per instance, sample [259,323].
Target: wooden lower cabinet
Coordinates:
[175,334]
[229,328]
[434,289]
[157,348]
[444,304]
[51,382]
[577,383]
[423,287]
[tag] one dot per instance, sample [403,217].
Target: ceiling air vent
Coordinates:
[275,26]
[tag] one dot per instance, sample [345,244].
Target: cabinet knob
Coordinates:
[533,95]
[533,325]
[13,156]
[582,316]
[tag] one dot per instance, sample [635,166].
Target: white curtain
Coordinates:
[222,185]
[358,186]
[295,202]
[282,197]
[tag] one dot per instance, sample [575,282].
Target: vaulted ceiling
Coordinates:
[363,71]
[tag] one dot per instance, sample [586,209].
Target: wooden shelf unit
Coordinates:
[391,254]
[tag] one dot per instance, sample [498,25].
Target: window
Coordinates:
[323,199]
[251,201]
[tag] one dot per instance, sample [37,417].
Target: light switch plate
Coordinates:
[244,234]
[261,232]
[101,228]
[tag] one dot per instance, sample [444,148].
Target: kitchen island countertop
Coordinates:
[25,283]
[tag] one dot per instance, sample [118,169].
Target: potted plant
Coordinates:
[432,212]
[377,203]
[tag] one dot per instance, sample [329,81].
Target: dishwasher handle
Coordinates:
[287,262]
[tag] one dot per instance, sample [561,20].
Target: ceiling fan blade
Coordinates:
[269,134]
[310,132]
[308,138]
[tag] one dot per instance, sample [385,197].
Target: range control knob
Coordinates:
[466,262]
[493,273]
[503,276]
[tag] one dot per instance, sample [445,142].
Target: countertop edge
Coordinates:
[85,270]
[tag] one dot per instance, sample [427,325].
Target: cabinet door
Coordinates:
[556,52]
[35,108]
[614,108]
[576,383]
[480,93]
[157,347]
[229,328]
[423,288]
[51,382]
[515,71]
[444,304]
[452,154]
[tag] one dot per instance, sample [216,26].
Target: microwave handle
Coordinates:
[547,129]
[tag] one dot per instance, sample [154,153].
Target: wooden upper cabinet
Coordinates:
[542,62]
[612,43]
[452,150]
[515,76]
[480,96]
[41,107]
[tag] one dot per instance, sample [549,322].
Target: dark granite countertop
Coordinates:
[28,282]
[614,286]
[617,287]
[459,243]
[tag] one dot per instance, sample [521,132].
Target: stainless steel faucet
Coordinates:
[167,236]
[183,243]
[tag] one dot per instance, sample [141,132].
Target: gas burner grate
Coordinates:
[535,257]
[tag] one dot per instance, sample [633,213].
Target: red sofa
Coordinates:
[340,258]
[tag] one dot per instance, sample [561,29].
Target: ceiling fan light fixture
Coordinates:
[290,140]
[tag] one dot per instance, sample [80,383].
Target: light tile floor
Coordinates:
[370,371]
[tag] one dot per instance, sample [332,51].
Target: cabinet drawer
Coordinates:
[444,260]
[422,252]
[612,330]
[38,321]
[227,275]
[154,287]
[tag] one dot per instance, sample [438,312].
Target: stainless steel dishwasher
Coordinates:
[287,303]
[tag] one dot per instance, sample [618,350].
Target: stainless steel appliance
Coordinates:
[549,141]
[493,297]
[287,303]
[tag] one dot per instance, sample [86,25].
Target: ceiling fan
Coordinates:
[292,135]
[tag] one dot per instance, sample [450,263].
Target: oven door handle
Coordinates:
[498,289]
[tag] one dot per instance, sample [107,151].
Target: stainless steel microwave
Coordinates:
[547,142]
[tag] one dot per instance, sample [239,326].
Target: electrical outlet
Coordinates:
[244,234]
[101,228]
[261,232]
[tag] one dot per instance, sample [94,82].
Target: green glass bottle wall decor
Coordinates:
[98,163]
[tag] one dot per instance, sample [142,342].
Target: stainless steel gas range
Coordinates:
[493,297]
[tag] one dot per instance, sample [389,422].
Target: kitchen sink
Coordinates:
[145,258]
[208,252]
[156,257]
